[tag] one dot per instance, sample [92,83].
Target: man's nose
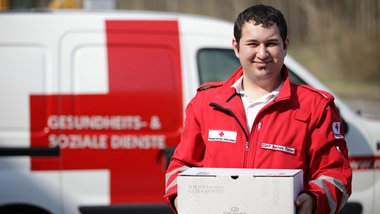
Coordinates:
[262,52]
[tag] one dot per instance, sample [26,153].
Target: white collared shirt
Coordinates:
[252,108]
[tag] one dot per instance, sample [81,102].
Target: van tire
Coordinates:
[352,208]
[22,209]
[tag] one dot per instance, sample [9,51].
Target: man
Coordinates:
[259,107]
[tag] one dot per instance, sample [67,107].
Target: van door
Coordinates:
[24,72]
[120,107]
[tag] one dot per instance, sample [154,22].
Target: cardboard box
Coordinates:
[238,191]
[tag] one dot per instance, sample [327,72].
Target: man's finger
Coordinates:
[301,199]
[305,203]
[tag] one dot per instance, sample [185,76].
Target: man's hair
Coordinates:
[261,15]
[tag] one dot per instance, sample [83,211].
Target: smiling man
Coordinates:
[261,111]
[261,52]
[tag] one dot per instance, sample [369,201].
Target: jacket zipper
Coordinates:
[241,126]
[245,133]
[256,139]
[229,111]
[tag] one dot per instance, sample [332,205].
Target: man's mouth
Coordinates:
[262,63]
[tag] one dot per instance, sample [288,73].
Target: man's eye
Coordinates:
[253,44]
[271,44]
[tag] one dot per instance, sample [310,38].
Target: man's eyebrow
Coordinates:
[273,40]
[254,40]
[250,40]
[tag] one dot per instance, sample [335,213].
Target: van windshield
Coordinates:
[216,65]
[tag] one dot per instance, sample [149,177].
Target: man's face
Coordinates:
[261,51]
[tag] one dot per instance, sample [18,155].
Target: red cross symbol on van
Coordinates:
[144,77]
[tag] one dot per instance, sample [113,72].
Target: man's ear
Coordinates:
[235,45]
[286,45]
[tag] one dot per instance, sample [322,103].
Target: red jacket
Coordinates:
[300,129]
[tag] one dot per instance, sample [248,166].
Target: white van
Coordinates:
[92,107]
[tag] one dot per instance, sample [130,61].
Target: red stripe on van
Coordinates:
[365,162]
[125,130]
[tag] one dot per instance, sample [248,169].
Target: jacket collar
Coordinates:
[227,92]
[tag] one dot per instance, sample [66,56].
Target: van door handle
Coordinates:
[31,151]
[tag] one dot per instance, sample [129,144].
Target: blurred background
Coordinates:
[337,40]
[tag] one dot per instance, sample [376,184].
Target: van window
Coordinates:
[294,78]
[215,65]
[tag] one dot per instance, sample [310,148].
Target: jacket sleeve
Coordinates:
[189,153]
[329,176]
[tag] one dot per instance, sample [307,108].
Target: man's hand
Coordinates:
[176,203]
[305,203]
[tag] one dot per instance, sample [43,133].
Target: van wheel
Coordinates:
[22,209]
[352,208]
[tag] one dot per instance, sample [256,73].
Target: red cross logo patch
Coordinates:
[222,135]
[336,129]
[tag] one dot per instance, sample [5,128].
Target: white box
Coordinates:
[238,191]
